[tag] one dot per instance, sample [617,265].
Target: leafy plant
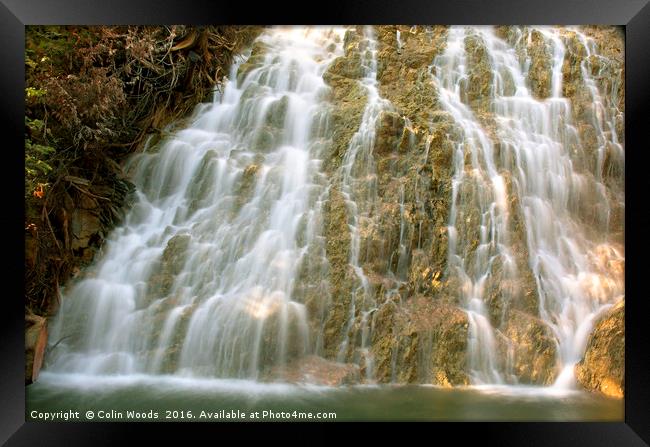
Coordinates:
[37,156]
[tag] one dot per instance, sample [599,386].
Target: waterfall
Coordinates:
[359,188]
[477,188]
[201,279]
[535,143]
[227,266]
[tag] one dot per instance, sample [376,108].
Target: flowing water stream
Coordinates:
[359,188]
[205,279]
[540,149]
[228,206]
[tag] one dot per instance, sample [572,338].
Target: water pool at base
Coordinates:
[128,398]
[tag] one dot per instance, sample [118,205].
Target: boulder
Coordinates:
[602,368]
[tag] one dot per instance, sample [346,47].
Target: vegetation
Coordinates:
[93,94]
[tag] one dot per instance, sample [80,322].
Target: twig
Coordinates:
[89,193]
[50,348]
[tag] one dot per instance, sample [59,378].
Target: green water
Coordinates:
[148,398]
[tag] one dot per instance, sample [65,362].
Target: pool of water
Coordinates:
[166,398]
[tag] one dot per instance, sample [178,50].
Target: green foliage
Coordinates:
[37,156]
[32,92]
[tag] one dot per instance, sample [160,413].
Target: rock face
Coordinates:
[419,331]
[84,222]
[35,343]
[422,342]
[530,347]
[603,366]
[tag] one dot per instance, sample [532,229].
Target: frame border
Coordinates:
[633,14]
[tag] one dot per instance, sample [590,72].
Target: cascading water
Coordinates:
[359,188]
[201,277]
[477,188]
[220,269]
[553,178]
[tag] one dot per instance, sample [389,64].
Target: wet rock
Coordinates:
[255,60]
[174,254]
[316,370]
[276,113]
[251,170]
[445,332]
[393,345]
[341,277]
[348,66]
[528,346]
[344,67]
[348,98]
[422,342]
[171,264]
[390,127]
[609,70]
[539,73]
[265,138]
[603,366]
[477,89]
[35,343]
[512,285]
[398,71]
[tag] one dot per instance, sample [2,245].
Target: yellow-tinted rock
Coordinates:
[603,366]
[532,349]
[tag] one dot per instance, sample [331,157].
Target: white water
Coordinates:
[359,189]
[539,147]
[239,189]
[208,267]
[478,187]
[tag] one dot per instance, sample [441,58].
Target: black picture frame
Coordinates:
[634,15]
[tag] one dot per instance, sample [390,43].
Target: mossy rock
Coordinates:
[255,60]
[170,265]
[540,71]
[388,134]
[477,90]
